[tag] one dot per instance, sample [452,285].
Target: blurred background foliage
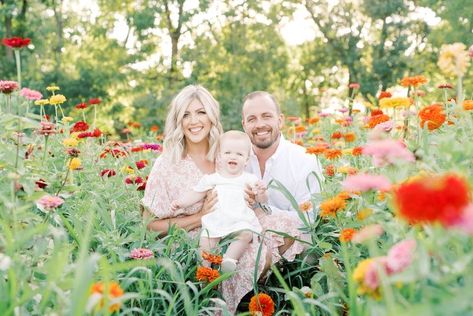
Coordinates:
[135,55]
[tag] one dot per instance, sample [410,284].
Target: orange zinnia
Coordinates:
[215,259]
[332,154]
[433,115]
[206,274]
[313,120]
[331,206]
[468,105]
[357,151]
[261,304]
[349,137]
[413,81]
[306,206]
[114,291]
[346,234]
[300,129]
[316,150]
[377,119]
[330,170]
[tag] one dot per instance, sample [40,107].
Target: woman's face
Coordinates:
[196,123]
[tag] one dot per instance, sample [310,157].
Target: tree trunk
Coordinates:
[174,53]
[8,33]
[59,32]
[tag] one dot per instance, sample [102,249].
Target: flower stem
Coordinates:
[65,178]
[18,66]
[45,148]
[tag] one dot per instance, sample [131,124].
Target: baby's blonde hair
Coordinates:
[235,135]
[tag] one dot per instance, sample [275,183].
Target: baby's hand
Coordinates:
[175,205]
[260,191]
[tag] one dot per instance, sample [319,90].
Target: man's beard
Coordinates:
[267,143]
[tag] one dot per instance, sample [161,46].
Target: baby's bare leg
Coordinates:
[207,244]
[239,246]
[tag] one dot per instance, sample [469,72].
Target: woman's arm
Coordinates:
[188,222]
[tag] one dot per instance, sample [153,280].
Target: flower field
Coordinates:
[392,231]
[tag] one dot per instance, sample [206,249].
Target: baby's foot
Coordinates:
[228,265]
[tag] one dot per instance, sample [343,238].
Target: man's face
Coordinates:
[261,121]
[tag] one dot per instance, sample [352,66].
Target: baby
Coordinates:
[231,214]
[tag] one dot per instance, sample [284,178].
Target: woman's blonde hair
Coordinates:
[174,142]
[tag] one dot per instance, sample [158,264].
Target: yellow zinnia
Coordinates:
[70,142]
[128,169]
[41,102]
[394,102]
[57,99]
[52,88]
[74,164]
[454,59]
[67,119]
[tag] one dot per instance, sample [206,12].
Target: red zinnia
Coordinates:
[94,101]
[354,85]
[108,172]
[384,94]
[261,304]
[16,42]
[336,135]
[440,198]
[80,126]
[81,106]
[140,164]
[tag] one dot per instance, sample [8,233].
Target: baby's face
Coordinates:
[233,156]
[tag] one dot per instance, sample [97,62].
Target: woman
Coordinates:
[191,132]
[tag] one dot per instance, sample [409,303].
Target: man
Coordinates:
[276,158]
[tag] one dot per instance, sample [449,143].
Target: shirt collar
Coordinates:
[277,153]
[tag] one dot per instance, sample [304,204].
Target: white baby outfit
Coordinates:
[231,213]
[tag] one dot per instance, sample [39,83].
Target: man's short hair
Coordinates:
[255,94]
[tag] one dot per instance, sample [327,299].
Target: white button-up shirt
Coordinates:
[293,168]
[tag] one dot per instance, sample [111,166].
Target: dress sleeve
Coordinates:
[156,198]
[204,184]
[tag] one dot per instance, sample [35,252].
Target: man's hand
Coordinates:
[210,201]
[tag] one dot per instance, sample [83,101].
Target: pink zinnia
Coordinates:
[387,151]
[8,87]
[141,253]
[465,222]
[31,94]
[364,182]
[49,202]
[367,232]
[371,278]
[385,126]
[400,255]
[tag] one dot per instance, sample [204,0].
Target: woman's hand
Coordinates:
[209,202]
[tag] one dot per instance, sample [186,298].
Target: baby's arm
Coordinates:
[187,199]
